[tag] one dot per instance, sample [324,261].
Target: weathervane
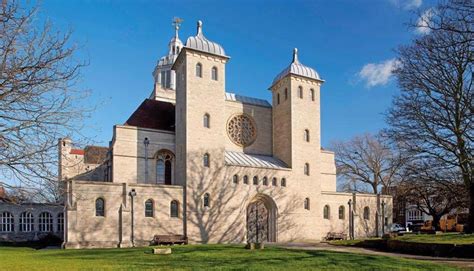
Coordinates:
[177,23]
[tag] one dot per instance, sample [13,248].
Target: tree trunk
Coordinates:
[470,219]
[435,223]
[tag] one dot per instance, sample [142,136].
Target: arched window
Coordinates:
[326,212]
[214,73]
[283,182]
[306,135]
[312,94]
[306,169]
[207,121]
[6,222]
[45,222]
[286,94]
[207,200]
[149,208]
[199,70]
[278,98]
[306,203]
[164,167]
[255,180]
[300,92]
[99,207]
[342,212]
[265,180]
[60,221]
[174,208]
[235,179]
[246,179]
[205,160]
[26,222]
[274,181]
[366,213]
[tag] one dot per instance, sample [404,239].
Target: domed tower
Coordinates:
[296,119]
[165,77]
[200,94]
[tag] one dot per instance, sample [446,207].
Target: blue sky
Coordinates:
[350,43]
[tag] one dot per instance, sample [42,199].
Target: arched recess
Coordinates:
[165,165]
[267,224]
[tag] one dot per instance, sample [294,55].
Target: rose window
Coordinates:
[241,130]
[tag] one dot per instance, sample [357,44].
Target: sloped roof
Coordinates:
[153,114]
[246,100]
[233,158]
[95,154]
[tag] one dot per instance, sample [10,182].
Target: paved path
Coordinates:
[459,262]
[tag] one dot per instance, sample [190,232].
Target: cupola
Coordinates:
[298,69]
[202,44]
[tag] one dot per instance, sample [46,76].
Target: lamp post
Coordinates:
[132,194]
[383,217]
[351,225]
[146,142]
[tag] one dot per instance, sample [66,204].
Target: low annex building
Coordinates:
[215,166]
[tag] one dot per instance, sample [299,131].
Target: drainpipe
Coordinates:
[146,142]
[132,196]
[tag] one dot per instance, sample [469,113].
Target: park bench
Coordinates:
[336,236]
[170,239]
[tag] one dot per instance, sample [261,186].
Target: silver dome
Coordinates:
[200,43]
[297,68]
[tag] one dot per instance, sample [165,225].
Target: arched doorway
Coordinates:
[261,220]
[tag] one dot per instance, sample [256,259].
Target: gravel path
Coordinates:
[459,262]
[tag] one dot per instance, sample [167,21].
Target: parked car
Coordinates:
[397,228]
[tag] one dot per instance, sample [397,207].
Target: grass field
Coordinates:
[201,257]
[445,238]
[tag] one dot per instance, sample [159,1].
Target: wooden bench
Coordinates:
[336,236]
[170,239]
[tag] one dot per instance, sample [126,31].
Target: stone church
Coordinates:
[214,166]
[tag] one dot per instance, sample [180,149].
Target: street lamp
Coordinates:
[351,223]
[383,217]
[146,142]
[132,194]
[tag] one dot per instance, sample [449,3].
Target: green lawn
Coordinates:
[445,238]
[201,257]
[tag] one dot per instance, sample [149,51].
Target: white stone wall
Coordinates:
[85,229]
[35,209]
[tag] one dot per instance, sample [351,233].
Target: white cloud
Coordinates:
[378,73]
[407,4]
[422,22]
[412,4]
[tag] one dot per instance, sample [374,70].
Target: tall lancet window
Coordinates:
[214,73]
[199,70]
[164,167]
[312,94]
[207,121]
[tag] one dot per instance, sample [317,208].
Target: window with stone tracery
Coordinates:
[164,167]
[241,130]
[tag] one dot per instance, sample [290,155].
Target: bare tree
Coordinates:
[434,192]
[38,102]
[368,160]
[433,115]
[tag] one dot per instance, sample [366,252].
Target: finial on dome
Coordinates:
[177,23]
[199,28]
[295,55]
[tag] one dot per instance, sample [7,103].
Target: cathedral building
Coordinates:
[214,166]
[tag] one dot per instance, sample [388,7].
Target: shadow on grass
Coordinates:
[236,257]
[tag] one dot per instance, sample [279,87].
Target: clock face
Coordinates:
[241,130]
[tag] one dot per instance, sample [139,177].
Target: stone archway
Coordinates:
[261,220]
